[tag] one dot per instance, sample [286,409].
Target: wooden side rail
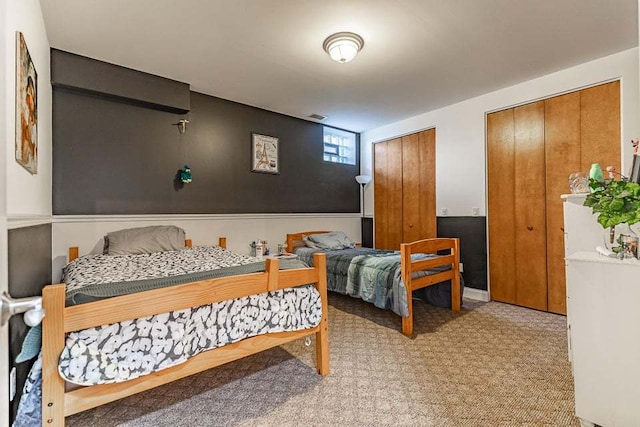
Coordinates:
[410,267]
[180,297]
[427,264]
[56,404]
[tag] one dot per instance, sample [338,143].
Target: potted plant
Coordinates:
[615,202]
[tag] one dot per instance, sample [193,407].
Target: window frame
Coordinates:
[341,148]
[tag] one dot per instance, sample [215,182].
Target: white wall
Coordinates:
[86,232]
[27,194]
[460,128]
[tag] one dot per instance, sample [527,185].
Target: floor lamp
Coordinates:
[365,229]
[362,180]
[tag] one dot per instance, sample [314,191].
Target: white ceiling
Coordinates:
[419,55]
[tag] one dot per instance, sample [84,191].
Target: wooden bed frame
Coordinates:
[58,403]
[409,267]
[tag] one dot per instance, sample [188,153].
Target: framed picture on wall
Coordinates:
[264,154]
[26,107]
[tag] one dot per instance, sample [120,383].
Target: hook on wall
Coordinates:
[182,125]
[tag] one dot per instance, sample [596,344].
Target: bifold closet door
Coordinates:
[501,205]
[405,189]
[581,128]
[418,186]
[517,229]
[563,151]
[530,219]
[531,151]
[387,169]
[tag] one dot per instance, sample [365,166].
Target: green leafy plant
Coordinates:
[615,202]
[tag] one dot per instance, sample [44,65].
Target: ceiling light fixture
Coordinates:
[343,47]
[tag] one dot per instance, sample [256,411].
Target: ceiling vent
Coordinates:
[317,117]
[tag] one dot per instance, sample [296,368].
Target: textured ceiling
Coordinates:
[419,55]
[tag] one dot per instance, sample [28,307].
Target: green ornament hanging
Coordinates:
[185,174]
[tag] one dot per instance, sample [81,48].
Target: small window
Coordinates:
[339,146]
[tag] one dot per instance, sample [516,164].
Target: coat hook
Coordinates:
[182,125]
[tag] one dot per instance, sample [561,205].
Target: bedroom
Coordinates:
[53,210]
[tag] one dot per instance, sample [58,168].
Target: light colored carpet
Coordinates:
[491,365]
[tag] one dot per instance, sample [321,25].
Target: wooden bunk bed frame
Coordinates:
[409,267]
[58,403]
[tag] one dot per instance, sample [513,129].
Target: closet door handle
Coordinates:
[410,225]
[530,227]
[562,229]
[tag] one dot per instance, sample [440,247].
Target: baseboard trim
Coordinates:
[476,294]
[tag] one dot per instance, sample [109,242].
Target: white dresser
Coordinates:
[603,313]
[581,230]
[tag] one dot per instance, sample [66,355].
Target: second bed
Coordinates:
[387,278]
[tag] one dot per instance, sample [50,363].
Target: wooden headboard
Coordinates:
[74,250]
[294,240]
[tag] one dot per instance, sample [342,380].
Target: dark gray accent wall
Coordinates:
[116,158]
[366,231]
[29,271]
[472,232]
[88,76]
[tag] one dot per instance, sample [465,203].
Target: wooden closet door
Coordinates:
[529,200]
[501,205]
[387,172]
[562,155]
[418,186]
[579,129]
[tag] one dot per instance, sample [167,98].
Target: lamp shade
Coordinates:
[363,179]
[343,47]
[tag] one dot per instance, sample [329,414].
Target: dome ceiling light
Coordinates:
[343,47]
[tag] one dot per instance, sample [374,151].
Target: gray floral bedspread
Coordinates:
[375,276]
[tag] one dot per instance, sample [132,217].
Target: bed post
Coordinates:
[73,253]
[272,267]
[322,336]
[290,238]
[222,242]
[53,337]
[405,265]
[455,280]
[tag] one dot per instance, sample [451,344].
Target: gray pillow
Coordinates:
[329,241]
[144,240]
[308,243]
